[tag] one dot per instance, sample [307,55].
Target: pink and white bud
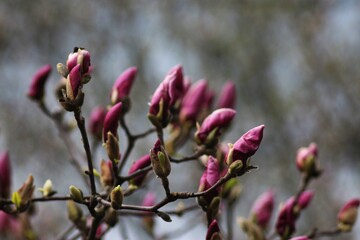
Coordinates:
[210,176]
[192,102]
[37,85]
[246,146]
[159,106]
[96,124]
[73,82]
[300,238]
[306,158]
[175,81]
[348,214]
[213,231]
[262,209]
[111,121]
[141,163]
[5,175]
[211,127]
[123,85]
[227,97]
[81,57]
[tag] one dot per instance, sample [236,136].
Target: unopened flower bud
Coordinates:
[81,57]
[212,125]
[175,81]
[123,85]
[106,175]
[141,163]
[96,125]
[192,102]
[111,120]
[252,230]
[37,86]
[116,197]
[74,211]
[47,189]
[76,194]
[262,209]
[227,97]
[5,175]
[148,221]
[300,238]
[73,83]
[159,106]
[245,146]
[160,160]
[347,215]
[306,160]
[112,148]
[213,232]
[24,194]
[111,217]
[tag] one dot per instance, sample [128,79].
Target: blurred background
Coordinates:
[295,65]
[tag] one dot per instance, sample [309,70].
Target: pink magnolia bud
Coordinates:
[175,81]
[209,99]
[193,101]
[143,162]
[36,90]
[210,176]
[159,106]
[123,84]
[111,120]
[227,97]
[348,214]
[73,82]
[5,175]
[9,224]
[305,198]
[300,238]
[213,231]
[96,124]
[79,56]
[246,146]
[160,160]
[212,125]
[306,158]
[149,200]
[262,209]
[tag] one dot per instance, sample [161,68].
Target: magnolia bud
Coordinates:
[81,57]
[160,160]
[213,231]
[106,175]
[111,217]
[116,197]
[74,211]
[262,209]
[227,97]
[24,194]
[112,148]
[73,83]
[306,160]
[300,238]
[122,85]
[111,120]
[211,127]
[347,215]
[175,81]
[96,125]
[47,189]
[252,230]
[159,106]
[76,194]
[141,163]
[5,175]
[37,86]
[245,146]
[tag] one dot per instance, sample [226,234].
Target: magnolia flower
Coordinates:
[213,231]
[96,124]
[227,97]
[211,126]
[262,209]
[123,84]
[193,101]
[246,145]
[5,175]
[73,82]
[36,90]
[111,121]
[348,214]
[141,163]
[79,56]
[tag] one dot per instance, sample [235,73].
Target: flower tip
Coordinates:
[36,90]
